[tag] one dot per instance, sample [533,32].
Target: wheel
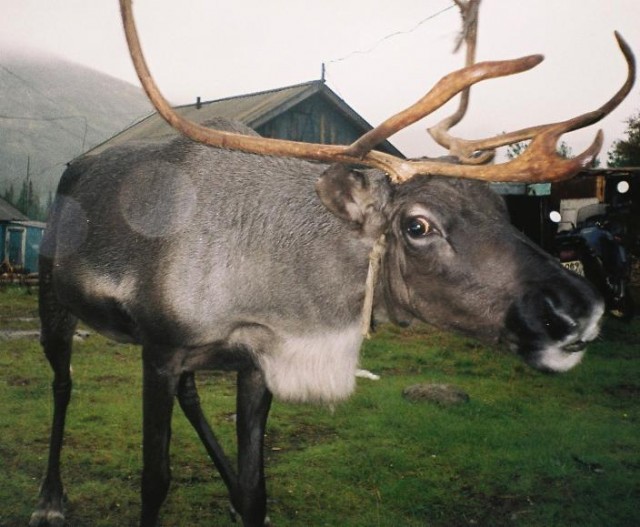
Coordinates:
[623,308]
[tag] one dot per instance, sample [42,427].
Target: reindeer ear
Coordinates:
[353,196]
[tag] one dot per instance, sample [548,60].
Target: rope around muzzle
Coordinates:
[375,257]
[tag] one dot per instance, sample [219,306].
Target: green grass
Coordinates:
[528,449]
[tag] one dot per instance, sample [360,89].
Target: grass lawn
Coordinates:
[528,449]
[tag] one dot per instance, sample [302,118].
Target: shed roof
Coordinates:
[9,213]
[254,110]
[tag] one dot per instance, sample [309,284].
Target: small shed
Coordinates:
[310,112]
[19,239]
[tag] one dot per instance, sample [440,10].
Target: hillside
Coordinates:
[52,111]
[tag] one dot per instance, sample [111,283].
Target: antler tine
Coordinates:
[444,90]
[467,148]
[540,161]
[540,164]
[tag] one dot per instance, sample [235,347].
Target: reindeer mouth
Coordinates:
[574,347]
[550,335]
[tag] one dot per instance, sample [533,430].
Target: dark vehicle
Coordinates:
[594,248]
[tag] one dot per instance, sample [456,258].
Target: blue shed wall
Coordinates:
[20,244]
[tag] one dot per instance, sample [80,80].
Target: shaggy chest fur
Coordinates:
[318,367]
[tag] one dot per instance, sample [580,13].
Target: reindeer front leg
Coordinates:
[159,389]
[253,404]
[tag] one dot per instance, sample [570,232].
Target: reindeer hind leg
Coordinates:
[57,329]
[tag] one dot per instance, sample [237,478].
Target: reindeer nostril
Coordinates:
[554,312]
[557,322]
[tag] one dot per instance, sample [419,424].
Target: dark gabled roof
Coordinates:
[254,110]
[9,213]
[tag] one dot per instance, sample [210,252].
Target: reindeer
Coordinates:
[288,252]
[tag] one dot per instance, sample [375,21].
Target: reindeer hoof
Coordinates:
[234,517]
[233,514]
[45,517]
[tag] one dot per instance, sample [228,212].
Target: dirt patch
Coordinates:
[624,391]
[19,381]
[111,379]
[299,437]
[14,334]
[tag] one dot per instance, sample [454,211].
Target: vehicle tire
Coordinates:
[624,308]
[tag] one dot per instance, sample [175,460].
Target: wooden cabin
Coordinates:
[309,112]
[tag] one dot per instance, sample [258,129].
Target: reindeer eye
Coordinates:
[417,227]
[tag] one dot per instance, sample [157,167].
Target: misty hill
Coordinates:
[51,111]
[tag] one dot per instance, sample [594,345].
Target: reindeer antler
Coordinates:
[479,151]
[539,163]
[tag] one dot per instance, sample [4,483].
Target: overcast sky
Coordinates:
[380,55]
